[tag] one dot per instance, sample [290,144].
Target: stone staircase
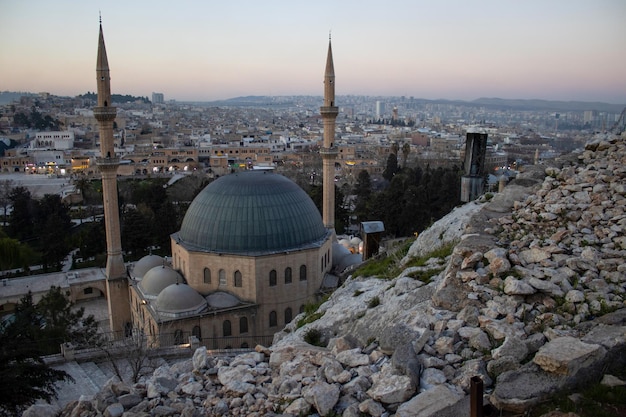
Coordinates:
[88,379]
[91,375]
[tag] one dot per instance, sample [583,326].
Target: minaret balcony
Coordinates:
[332,151]
[104,113]
[108,162]
[329,110]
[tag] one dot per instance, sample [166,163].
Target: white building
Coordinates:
[53,140]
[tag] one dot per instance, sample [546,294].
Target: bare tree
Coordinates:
[130,357]
[5,189]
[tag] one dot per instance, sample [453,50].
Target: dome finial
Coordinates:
[100,16]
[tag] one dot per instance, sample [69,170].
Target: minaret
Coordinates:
[329,152]
[116,280]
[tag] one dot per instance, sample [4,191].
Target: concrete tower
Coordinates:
[116,279]
[329,152]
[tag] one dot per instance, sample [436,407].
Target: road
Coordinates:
[38,184]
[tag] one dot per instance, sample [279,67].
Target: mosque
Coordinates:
[252,250]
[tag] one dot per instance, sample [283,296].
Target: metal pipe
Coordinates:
[476,397]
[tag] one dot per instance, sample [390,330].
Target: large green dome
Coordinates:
[251,212]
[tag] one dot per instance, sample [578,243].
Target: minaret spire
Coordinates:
[328,151]
[116,280]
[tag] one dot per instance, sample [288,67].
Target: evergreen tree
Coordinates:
[21,217]
[391,168]
[53,223]
[33,331]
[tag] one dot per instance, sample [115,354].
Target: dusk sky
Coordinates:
[208,50]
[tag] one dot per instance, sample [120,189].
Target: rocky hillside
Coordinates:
[530,298]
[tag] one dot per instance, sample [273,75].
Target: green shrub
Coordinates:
[314,337]
[374,302]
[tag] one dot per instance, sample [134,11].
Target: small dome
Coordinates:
[157,279]
[355,241]
[145,264]
[251,212]
[222,299]
[178,299]
[343,258]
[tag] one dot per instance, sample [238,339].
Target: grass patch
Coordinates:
[389,267]
[314,337]
[377,267]
[425,276]
[374,302]
[441,252]
[310,312]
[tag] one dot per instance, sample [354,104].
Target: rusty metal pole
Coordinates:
[476,397]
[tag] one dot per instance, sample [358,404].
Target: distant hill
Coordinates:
[496,103]
[7,97]
[116,98]
[271,101]
[549,105]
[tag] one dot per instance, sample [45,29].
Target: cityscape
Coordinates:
[150,235]
[156,136]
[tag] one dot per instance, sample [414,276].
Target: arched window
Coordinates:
[322,264]
[273,278]
[178,337]
[222,278]
[226,329]
[238,279]
[302,308]
[288,275]
[303,273]
[207,276]
[244,345]
[288,315]
[197,332]
[243,325]
[273,319]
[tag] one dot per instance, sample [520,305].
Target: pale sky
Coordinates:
[208,50]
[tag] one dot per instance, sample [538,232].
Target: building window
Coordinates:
[288,315]
[273,278]
[273,319]
[197,332]
[222,278]
[226,329]
[238,279]
[207,276]
[322,264]
[302,309]
[88,291]
[303,273]
[288,275]
[178,337]
[243,325]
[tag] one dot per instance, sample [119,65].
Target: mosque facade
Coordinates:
[252,250]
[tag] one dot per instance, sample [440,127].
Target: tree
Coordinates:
[391,168]
[37,330]
[91,239]
[362,190]
[24,379]
[21,217]
[136,229]
[406,150]
[5,201]
[395,147]
[53,223]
